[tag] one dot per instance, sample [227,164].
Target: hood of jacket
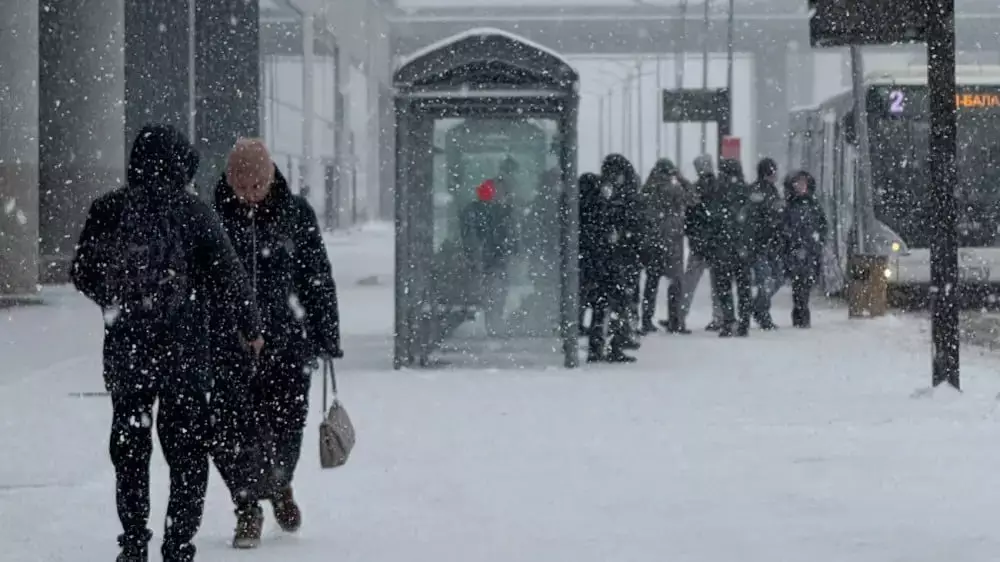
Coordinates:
[162,160]
[730,169]
[228,203]
[789,185]
[618,171]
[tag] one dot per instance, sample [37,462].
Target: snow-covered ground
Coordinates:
[786,446]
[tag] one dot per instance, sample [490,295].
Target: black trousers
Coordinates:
[259,426]
[801,290]
[651,288]
[723,279]
[182,424]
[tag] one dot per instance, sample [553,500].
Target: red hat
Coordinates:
[486,190]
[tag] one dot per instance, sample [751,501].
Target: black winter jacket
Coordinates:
[280,245]
[765,221]
[805,231]
[696,219]
[161,165]
[725,227]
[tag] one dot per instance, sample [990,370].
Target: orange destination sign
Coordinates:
[973,101]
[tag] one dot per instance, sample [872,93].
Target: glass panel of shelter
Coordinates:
[496,226]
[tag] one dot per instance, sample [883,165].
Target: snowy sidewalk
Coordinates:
[787,446]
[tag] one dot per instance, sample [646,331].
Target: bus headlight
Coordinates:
[895,248]
[887,273]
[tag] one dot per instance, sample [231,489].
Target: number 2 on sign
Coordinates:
[896,100]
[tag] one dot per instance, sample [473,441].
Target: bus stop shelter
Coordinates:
[487,205]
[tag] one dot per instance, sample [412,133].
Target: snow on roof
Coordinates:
[478,32]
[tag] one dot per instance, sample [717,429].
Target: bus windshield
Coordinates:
[901,174]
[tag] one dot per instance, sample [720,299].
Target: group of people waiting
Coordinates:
[750,237]
[214,312]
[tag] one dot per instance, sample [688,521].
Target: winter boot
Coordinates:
[286,511]
[726,330]
[766,323]
[595,345]
[617,355]
[648,327]
[713,326]
[178,553]
[804,318]
[133,554]
[249,526]
[743,329]
[135,547]
[796,317]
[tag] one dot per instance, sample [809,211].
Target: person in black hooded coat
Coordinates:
[727,247]
[625,225]
[278,239]
[155,345]
[594,250]
[805,233]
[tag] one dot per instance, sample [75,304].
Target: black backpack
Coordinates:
[149,275]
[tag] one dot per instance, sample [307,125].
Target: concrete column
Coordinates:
[158,65]
[343,174]
[308,104]
[18,146]
[80,119]
[771,103]
[227,80]
[801,80]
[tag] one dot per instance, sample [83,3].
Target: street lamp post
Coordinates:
[659,111]
[704,68]
[679,64]
[639,121]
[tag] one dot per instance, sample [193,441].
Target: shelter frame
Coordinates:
[479,74]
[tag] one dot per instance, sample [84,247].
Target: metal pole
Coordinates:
[944,243]
[731,31]
[640,158]
[600,126]
[704,68]
[609,117]
[659,110]
[308,101]
[861,189]
[624,120]
[679,63]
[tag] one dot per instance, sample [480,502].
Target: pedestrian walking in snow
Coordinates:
[153,257]
[278,239]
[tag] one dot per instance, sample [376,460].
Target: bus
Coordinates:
[822,141]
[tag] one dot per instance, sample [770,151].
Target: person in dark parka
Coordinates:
[620,190]
[278,239]
[667,196]
[594,249]
[155,346]
[764,217]
[727,247]
[805,233]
